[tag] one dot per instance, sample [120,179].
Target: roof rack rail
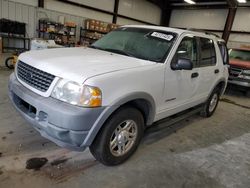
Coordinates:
[211,33]
[203,31]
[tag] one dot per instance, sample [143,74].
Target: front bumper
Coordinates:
[62,123]
[239,81]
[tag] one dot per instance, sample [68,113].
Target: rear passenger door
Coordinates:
[208,70]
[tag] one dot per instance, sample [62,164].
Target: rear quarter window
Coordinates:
[224,52]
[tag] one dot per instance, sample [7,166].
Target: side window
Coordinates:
[187,49]
[224,52]
[207,52]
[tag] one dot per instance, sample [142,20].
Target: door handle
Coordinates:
[195,74]
[216,71]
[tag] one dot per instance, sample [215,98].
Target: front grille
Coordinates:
[34,77]
[235,71]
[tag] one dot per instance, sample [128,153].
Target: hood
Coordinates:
[79,64]
[239,63]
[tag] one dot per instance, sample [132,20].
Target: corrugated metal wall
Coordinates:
[138,9]
[241,23]
[79,11]
[30,15]
[19,12]
[199,19]
[214,19]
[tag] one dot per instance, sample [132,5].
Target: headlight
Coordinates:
[77,94]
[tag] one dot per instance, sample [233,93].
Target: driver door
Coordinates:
[181,85]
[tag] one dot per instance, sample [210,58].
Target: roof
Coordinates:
[170,29]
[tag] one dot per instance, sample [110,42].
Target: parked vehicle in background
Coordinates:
[239,71]
[104,96]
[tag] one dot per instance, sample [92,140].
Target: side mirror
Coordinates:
[182,64]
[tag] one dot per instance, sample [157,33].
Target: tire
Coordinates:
[114,130]
[211,104]
[9,62]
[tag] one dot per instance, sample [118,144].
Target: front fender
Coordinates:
[113,107]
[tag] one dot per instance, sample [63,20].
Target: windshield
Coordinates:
[242,55]
[147,44]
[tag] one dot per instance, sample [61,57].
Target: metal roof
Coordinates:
[173,4]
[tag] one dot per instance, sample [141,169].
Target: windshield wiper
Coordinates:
[118,52]
[123,53]
[95,47]
[112,50]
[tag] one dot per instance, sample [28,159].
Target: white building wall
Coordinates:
[138,9]
[237,40]
[107,5]
[30,15]
[241,23]
[199,19]
[22,13]
[214,19]
[27,2]
[242,20]
[77,11]
[141,10]
[27,11]
[123,21]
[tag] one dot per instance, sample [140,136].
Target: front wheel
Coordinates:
[9,62]
[119,138]
[211,104]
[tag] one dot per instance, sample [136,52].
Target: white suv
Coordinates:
[104,96]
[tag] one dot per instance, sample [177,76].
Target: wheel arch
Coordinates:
[221,84]
[144,102]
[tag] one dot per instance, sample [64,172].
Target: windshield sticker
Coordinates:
[162,36]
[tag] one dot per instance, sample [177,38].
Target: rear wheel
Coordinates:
[119,137]
[211,104]
[9,62]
